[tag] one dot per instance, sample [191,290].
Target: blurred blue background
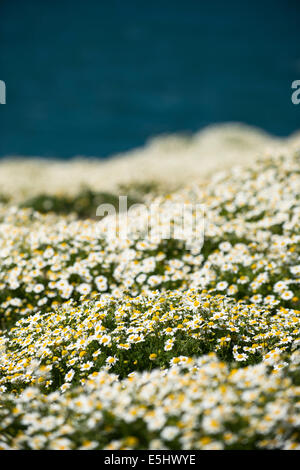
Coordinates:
[98,77]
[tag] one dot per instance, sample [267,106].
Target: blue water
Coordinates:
[98,77]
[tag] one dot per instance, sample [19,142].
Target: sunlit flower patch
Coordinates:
[140,333]
[203,404]
[151,341]
[251,248]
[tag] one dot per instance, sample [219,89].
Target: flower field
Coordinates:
[152,341]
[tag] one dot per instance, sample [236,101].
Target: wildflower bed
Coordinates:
[204,404]
[154,342]
[141,333]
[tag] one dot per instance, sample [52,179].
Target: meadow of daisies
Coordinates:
[148,342]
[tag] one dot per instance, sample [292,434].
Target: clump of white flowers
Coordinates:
[148,341]
[251,247]
[140,333]
[201,404]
